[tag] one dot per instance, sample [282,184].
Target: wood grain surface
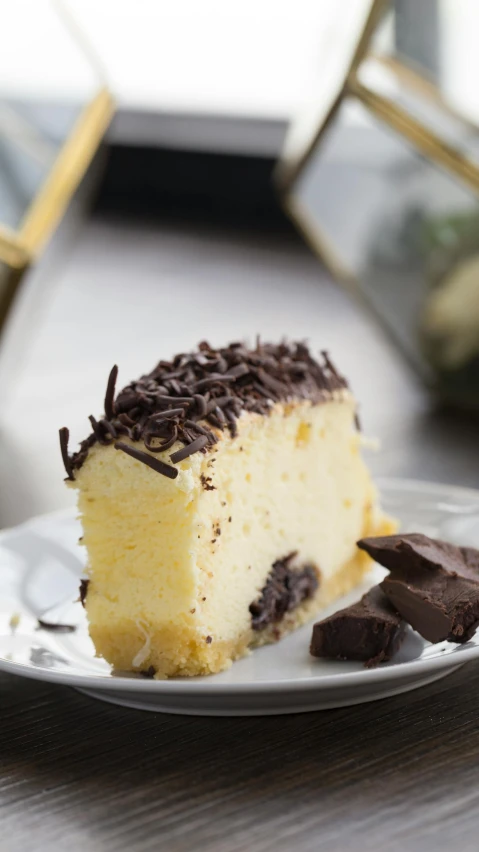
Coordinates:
[77,774]
[402,773]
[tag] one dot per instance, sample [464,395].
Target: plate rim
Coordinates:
[187,686]
[175,686]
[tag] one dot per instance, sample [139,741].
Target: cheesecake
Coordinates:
[221,497]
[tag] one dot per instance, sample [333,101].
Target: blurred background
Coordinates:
[141,211]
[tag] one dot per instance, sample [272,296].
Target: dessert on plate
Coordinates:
[221,497]
[370,630]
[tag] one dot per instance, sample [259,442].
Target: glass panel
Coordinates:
[409,233]
[439,38]
[337,45]
[430,67]
[417,34]
[43,87]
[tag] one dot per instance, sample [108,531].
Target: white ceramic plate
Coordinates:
[40,563]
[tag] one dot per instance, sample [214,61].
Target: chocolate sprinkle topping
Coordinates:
[195,445]
[156,464]
[64,437]
[83,590]
[193,397]
[150,672]
[206,483]
[55,628]
[110,394]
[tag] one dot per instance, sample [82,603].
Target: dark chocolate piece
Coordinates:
[370,630]
[433,584]
[285,589]
[210,385]
[83,590]
[56,628]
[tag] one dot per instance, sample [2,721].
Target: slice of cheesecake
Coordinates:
[221,498]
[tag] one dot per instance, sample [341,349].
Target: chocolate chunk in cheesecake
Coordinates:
[433,584]
[285,589]
[370,630]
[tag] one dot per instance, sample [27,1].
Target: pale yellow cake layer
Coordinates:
[174,566]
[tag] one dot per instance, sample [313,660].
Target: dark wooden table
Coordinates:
[402,773]
[76,774]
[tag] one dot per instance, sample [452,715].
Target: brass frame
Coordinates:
[288,169]
[291,168]
[46,210]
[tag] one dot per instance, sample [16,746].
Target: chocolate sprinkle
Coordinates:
[206,483]
[194,397]
[155,464]
[55,628]
[195,445]
[64,437]
[150,672]
[83,590]
[110,394]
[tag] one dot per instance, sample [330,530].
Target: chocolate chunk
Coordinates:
[285,589]
[369,630]
[433,584]
[211,385]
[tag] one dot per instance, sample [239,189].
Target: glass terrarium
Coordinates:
[384,185]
